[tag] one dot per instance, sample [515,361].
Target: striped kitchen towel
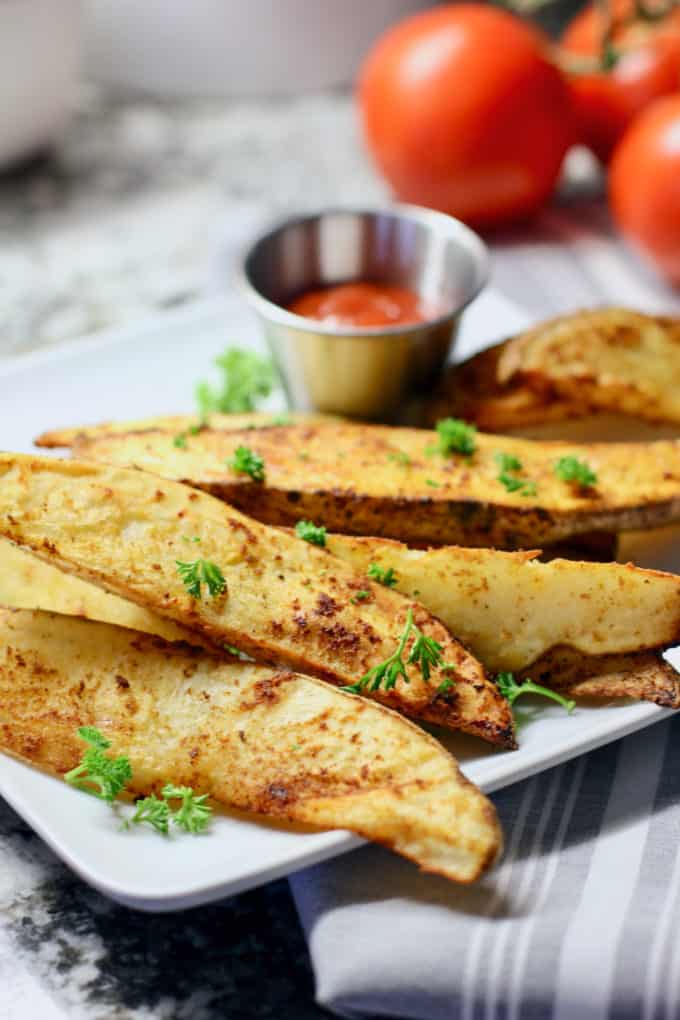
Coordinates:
[580,921]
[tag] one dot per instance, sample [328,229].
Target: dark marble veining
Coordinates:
[243,957]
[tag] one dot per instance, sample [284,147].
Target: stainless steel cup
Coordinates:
[363,372]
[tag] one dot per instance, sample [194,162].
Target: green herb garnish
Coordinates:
[571,469]
[508,476]
[431,482]
[456,436]
[151,811]
[246,462]
[383,575]
[399,457]
[247,378]
[425,653]
[309,532]
[361,596]
[511,690]
[98,773]
[105,777]
[193,814]
[200,572]
[180,440]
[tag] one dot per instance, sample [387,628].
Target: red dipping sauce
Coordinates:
[361,304]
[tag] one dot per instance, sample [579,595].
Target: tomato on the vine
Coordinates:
[644,185]
[464,111]
[640,63]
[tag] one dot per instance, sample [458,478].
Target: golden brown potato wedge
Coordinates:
[448,577]
[472,391]
[376,480]
[642,676]
[610,358]
[509,608]
[274,743]
[174,423]
[285,601]
[29,583]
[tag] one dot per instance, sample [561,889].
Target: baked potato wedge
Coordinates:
[273,743]
[29,583]
[392,482]
[283,601]
[610,358]
[175,423]
[472,391]
[509,608]
[447,580]
[602,373]
[641,676]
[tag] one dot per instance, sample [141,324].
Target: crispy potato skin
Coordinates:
[255,739]
[455,584]
[342,475]
[609,358]
[509,608]
[644,676]
[471,391]
[286,601]
[175,423]
[586,364]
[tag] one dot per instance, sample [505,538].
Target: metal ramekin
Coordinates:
[364,372]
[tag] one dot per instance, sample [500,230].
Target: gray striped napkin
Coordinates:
[579,922]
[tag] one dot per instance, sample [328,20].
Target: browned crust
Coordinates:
[643,676]
[274,607]
[226,729]
[350,485]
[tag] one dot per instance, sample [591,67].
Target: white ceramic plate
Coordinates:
[151,368]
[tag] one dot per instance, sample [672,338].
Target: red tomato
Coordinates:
[644,185]
[464,112]
[648,66]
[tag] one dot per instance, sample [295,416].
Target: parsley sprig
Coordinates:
[571,469]
[98,773]
[383,575]
[508,476]
[105,777]
[180,440]
[310,532]
[456,436]
[425,653]
[511,690]
[196,573]
[193,813]
[246,462]
[247,378]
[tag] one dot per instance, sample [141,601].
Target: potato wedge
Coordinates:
[447,581]
[509,608]
[174,423]
[472,391]
[29,583]
[269,742]
[354,480]
[642,676]
[286,601]
[611,358]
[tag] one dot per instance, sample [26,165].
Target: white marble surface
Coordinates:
[125,218]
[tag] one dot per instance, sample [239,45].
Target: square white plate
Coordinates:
[151,368]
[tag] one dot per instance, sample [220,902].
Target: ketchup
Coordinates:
[361,304]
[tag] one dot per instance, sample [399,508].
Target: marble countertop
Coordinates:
[123,219]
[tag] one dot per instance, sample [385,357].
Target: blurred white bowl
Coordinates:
[39,57]
[233,47]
